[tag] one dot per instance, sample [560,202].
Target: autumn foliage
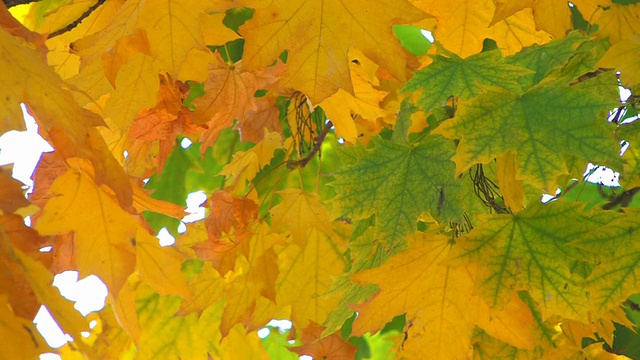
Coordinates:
[351,168]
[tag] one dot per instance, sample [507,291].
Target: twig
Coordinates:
[11,3]
[78,20]
[316,148]
[623,199]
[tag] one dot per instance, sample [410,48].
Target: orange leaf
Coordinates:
[11,194]
[330,347]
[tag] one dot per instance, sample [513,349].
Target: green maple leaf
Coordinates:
[617,275]
[541,126]
[454,76]
[543,59]
[399,182]
[531,251]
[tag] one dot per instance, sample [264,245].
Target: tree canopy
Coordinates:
[379,190]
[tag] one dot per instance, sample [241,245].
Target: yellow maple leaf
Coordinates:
[462,24]
[103,231]
[624,56]
[511,188]
[159,266]
[214,32]
[306,275]
[136,88]
[300,212]
[125,48]
[517,31]
[619,22]
[436,299]
[318,36]
[33,82]
[245,165]
[25,340]
[242,345]
[513,325]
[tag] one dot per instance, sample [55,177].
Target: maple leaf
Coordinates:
[435,298]
[464,78]
[261,105]
[543,124]
[614,279]
[398,183]
[331,347]
[314,34]
[310,272]
[624,56]
[102,234]
[228,95]
[518,252]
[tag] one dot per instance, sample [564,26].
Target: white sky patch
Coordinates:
[23,148]
[263,333]
[89,293]
[428,35]
[196,212]
[186,143]
[602,175]
[51,332]
[165,237]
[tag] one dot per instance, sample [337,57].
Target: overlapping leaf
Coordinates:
[397,183]
[531,251]
[540,126]
[464,78]
[434,297]
[318,35]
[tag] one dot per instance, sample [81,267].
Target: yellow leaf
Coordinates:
[301,212]
[619,22]
[511,188]
[40,280]
[245,165]
[552,16]
[506,8]
[242,345]
[137,87]
[24,341]
[214,32]
[126,47]
[160,266]
[173,30]
[61,55]
[33,82]
[207,288]
[462,24]
[306,275]
[512,325]
[624,56]
[339,108]
[318,36]
[125,308]
[103,231]
[437,299]
[518,31]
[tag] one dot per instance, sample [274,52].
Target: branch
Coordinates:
[623,199]
[11,3]
[77,21]
[316,148]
